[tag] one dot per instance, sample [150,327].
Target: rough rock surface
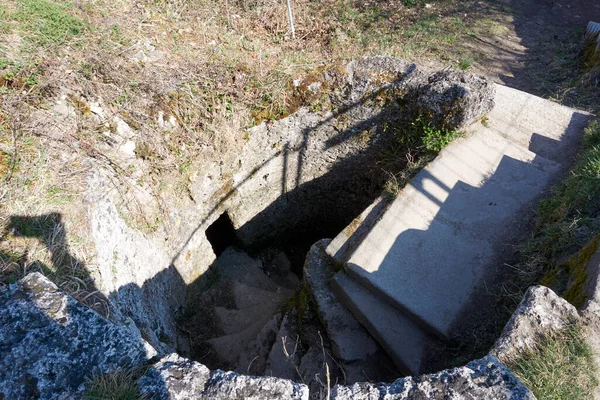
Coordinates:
[49,342]
[541,311]
[176,378]
[486,378]
[455,99]
[350,341]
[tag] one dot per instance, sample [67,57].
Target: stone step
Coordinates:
[233,321]
[343,245]
[536,124]
[404,341]
[285,354]
[248,297]
[350,341]
[445,230]
[228,348]
[235,264]
[253,359]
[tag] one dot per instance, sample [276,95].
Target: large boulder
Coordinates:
[49,342]
[486,378]
[541,312]
[454,99]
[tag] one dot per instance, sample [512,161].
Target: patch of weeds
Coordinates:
[48,22]
[560,367]
[18,75]
[55,196]
[116,35]
[122,98]
[10,266]
[119,385]
[435,139]
[416,143]
[412,3]
[465,63]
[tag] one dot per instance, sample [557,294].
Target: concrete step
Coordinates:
[343,245]
[433,245]
[404,341]
[536,124]
[285,355]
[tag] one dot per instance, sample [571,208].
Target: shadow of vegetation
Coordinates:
[66,270]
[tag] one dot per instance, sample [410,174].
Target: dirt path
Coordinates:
[539,52]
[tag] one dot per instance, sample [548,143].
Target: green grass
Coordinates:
[118,385]
[48,22]
[465,63]
[572,209]
[416,143]
[561,367]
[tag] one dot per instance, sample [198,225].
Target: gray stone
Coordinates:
[591,286]
[454,99]
[254,358]
[49,343]
[405,342]
[229,385]
[541,312]
[177,378]
[236,264]
[480,379]
[350,341]
[229,347]
[285,355]
[249,296]
[174,377]
[281,264]
[233,321]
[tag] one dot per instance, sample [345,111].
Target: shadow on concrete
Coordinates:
[454,272]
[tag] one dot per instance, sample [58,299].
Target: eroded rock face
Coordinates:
[455,99]
[541,312]
[177,378]
[486,378]
[49,342]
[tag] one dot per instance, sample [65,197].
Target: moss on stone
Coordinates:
[571,277]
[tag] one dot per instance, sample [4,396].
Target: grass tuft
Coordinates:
[561,367]
[118,385]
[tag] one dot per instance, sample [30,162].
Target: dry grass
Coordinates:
[560,367]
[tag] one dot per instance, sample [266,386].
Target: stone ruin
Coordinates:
[246,286]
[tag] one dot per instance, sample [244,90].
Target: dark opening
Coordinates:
[221,234]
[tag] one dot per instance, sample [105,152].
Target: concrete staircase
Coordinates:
[413,266]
